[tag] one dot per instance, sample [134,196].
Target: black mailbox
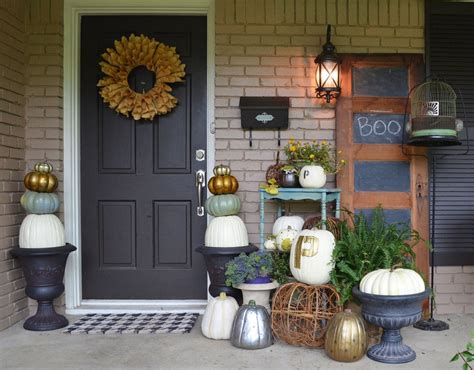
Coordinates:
[261,113]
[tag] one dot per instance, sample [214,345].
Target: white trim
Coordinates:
[73,10]
[139,306]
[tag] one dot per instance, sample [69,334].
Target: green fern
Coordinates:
[370,245]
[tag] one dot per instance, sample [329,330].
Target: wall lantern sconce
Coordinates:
[328,71]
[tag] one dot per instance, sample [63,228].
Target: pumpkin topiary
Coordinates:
[227,232]
[223,205]
[41,231]
[39,203]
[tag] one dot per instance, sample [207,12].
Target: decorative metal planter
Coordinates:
[216,259]
[391,313]
[44,272]
[289,180]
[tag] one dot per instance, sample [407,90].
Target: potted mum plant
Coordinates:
[315,160]
[252,274]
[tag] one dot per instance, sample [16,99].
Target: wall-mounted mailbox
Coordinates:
[264,113]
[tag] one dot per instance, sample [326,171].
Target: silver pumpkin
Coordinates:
[252,327]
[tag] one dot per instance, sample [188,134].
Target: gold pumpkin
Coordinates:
[40,182]
[223,185]
[346,337]
[222,170]
[44,167]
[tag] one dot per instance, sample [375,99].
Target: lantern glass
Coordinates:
[328,74]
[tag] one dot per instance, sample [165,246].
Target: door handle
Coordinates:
[200,185]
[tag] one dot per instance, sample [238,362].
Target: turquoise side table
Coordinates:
[322,195]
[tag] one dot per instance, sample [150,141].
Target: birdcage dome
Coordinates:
[433,114]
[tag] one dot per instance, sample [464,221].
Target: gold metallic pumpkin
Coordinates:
[222,170]
[346,337]
[40,182]
[44,167]
[223,185]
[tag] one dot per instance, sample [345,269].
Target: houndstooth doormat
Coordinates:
[152,323]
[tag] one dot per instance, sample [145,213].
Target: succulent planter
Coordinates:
[391,313]
[260,293]
[216,259]
[43,269]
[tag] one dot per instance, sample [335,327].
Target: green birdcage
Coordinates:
[433,115]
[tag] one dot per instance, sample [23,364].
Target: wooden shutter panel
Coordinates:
[450,57]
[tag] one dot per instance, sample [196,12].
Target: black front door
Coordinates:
[138,193]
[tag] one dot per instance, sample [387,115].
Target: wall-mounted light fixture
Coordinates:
[328,71]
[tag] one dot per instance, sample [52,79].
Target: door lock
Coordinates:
[200,155]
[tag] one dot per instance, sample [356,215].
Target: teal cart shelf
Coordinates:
[284,194]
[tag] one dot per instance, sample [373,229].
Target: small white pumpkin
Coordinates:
[226,232]
[41,231]
[219,317]
[311,256]
[282,223]
[285,238]
[270,244]
[392,282]
[312,177]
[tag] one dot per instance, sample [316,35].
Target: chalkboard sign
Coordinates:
[375,128]
[380,81]
[402,216]
[382,176]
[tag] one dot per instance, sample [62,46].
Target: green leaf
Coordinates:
[455,357]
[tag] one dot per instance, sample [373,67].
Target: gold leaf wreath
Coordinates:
[128,54]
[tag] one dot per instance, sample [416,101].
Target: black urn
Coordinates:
[43,269]
[391,313]
[216,259]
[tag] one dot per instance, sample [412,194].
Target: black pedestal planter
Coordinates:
[391,313]
[216,259]
[44,272]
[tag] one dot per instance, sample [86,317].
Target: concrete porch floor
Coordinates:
[22,349]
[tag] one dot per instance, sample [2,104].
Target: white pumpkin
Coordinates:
[392,282]
[311,256]
[285,238]
[282,223]
[226,232]
[41,231]
[219,316]
[312,177]
[270,244]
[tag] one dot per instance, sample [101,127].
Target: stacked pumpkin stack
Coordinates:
[226,230]
[41,228]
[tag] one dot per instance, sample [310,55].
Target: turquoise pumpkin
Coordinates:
[223,205]
[39,203]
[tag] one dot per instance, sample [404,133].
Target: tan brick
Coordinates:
[366,41]
[245,40]
[349,31]
[275,81]
[229,50]
[259,91]
[290,30]
[229,70]
[409,32]
[275,40]
[244,81]
[260,29]
[290,50]
[290,91]
[380,31]
[275,61]
[246,61]
[285,71]
[305,40]
[260,50]
[260,71]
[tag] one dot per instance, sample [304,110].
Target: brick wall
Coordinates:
[13,303]
[267,48]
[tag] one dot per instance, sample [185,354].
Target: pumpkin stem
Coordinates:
[252,303]
[395,266]
[222,295]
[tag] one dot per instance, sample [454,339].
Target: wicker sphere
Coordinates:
[301,313]
[332,225]
[346,337]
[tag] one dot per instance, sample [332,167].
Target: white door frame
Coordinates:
[73,11]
